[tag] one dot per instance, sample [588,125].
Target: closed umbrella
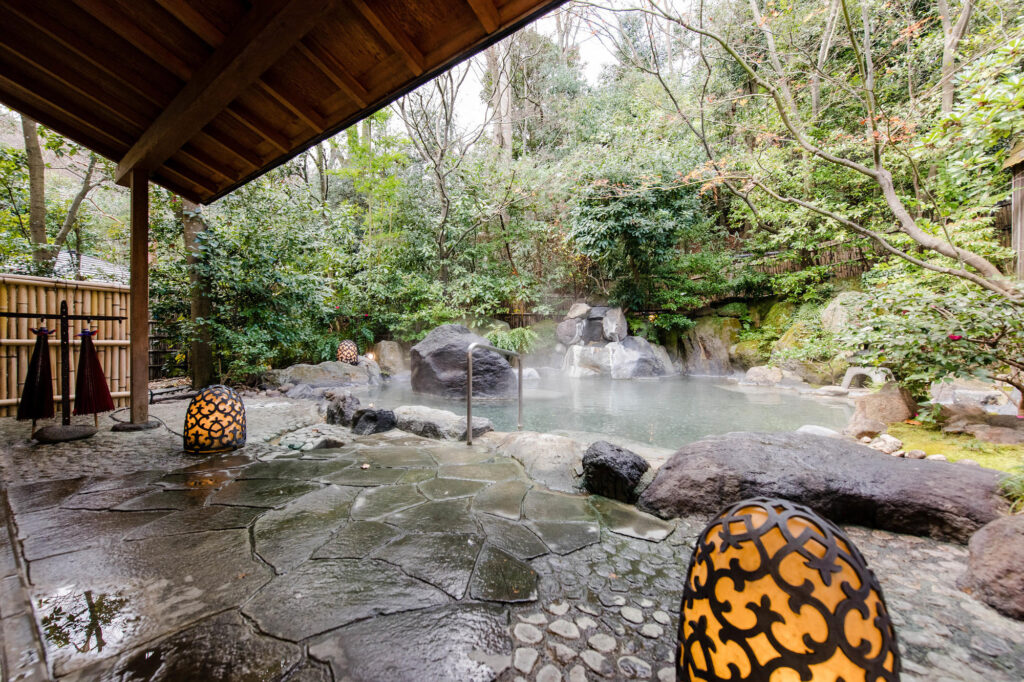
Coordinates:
[92,395]
[37,396]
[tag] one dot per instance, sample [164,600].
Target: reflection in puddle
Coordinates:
[86,621]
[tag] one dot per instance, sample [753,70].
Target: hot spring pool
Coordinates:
[667,412]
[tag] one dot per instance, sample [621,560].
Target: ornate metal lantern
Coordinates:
[776,592]
[214,422]
[348,352]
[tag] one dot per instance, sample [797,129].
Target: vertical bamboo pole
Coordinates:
[139,182]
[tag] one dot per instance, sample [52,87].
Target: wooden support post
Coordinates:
[139,315]
[1017,220]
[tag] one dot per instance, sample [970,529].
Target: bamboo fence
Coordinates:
[26,294]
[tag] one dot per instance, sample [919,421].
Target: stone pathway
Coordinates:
[387,557]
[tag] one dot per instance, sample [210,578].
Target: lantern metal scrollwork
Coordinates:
[348,352]
[214,421]
[776,592]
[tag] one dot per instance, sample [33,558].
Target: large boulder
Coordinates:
[635,357]
[369,421]
[842,480]
[439,366]
[613,471]
[780,315]
[995,569]
[892,403]
[390,357]
[746,354]
[578,311]
[440,424]
[706,345]
[614,325]
[569,331]
[554,461]
[587,361]
[842,311]
[332,373]
[341,407]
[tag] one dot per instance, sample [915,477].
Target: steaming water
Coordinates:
[666,412]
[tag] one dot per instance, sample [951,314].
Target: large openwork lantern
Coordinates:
[214,422]
[348,352]
[775,592]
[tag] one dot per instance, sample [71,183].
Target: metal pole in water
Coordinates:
[519,424]
[469,395]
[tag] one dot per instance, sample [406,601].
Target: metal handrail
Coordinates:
[469,385]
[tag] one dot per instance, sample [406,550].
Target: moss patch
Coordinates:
[956,446]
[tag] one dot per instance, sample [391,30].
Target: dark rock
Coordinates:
[301,392]
[593,331]
[995,569]
[439,366]
[597,312]
[613,471]
[341,408]
[890,404]
[843,481]
[569,331]
[365,422]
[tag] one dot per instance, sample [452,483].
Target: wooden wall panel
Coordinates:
[25,294]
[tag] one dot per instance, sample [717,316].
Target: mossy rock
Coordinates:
[779,315]
[747,354]
[735,309]
[793,337]
[725,328]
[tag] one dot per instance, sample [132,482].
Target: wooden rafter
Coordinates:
[486,13]
[336,73]
[312,120]
[266,32]
[395,38]
[278,141]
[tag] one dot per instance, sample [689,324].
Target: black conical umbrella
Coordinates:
[91,392]
[37,396]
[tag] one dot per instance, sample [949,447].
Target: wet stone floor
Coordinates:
[387,557]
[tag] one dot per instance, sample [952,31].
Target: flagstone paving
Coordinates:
[391,557]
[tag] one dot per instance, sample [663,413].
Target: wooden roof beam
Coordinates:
[267,31]
[395,38]
[337,74]
[312,120]
[486,13]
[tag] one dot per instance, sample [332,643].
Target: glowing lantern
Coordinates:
[214,422]
[775,592]
[348,352]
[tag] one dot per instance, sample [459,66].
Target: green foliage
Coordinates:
[1012,488]
[926,331]
[809,285]
[520,340]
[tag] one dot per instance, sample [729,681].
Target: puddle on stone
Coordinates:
[212,479]
[77,623]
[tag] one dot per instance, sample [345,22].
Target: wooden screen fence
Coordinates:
[25,294]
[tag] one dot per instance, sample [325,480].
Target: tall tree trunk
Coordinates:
[501,97]
[367,136]
[36,191]
[200,349]
[953,34]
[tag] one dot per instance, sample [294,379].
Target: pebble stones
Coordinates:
[524,659]
[661,617]
[652,631]
[527,633]
[632,667]
[632,614]
[549,673]
[565,629]
[596,662]
[602,642]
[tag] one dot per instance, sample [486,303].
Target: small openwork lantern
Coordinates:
[214,422]
[348,352]
[776,592]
